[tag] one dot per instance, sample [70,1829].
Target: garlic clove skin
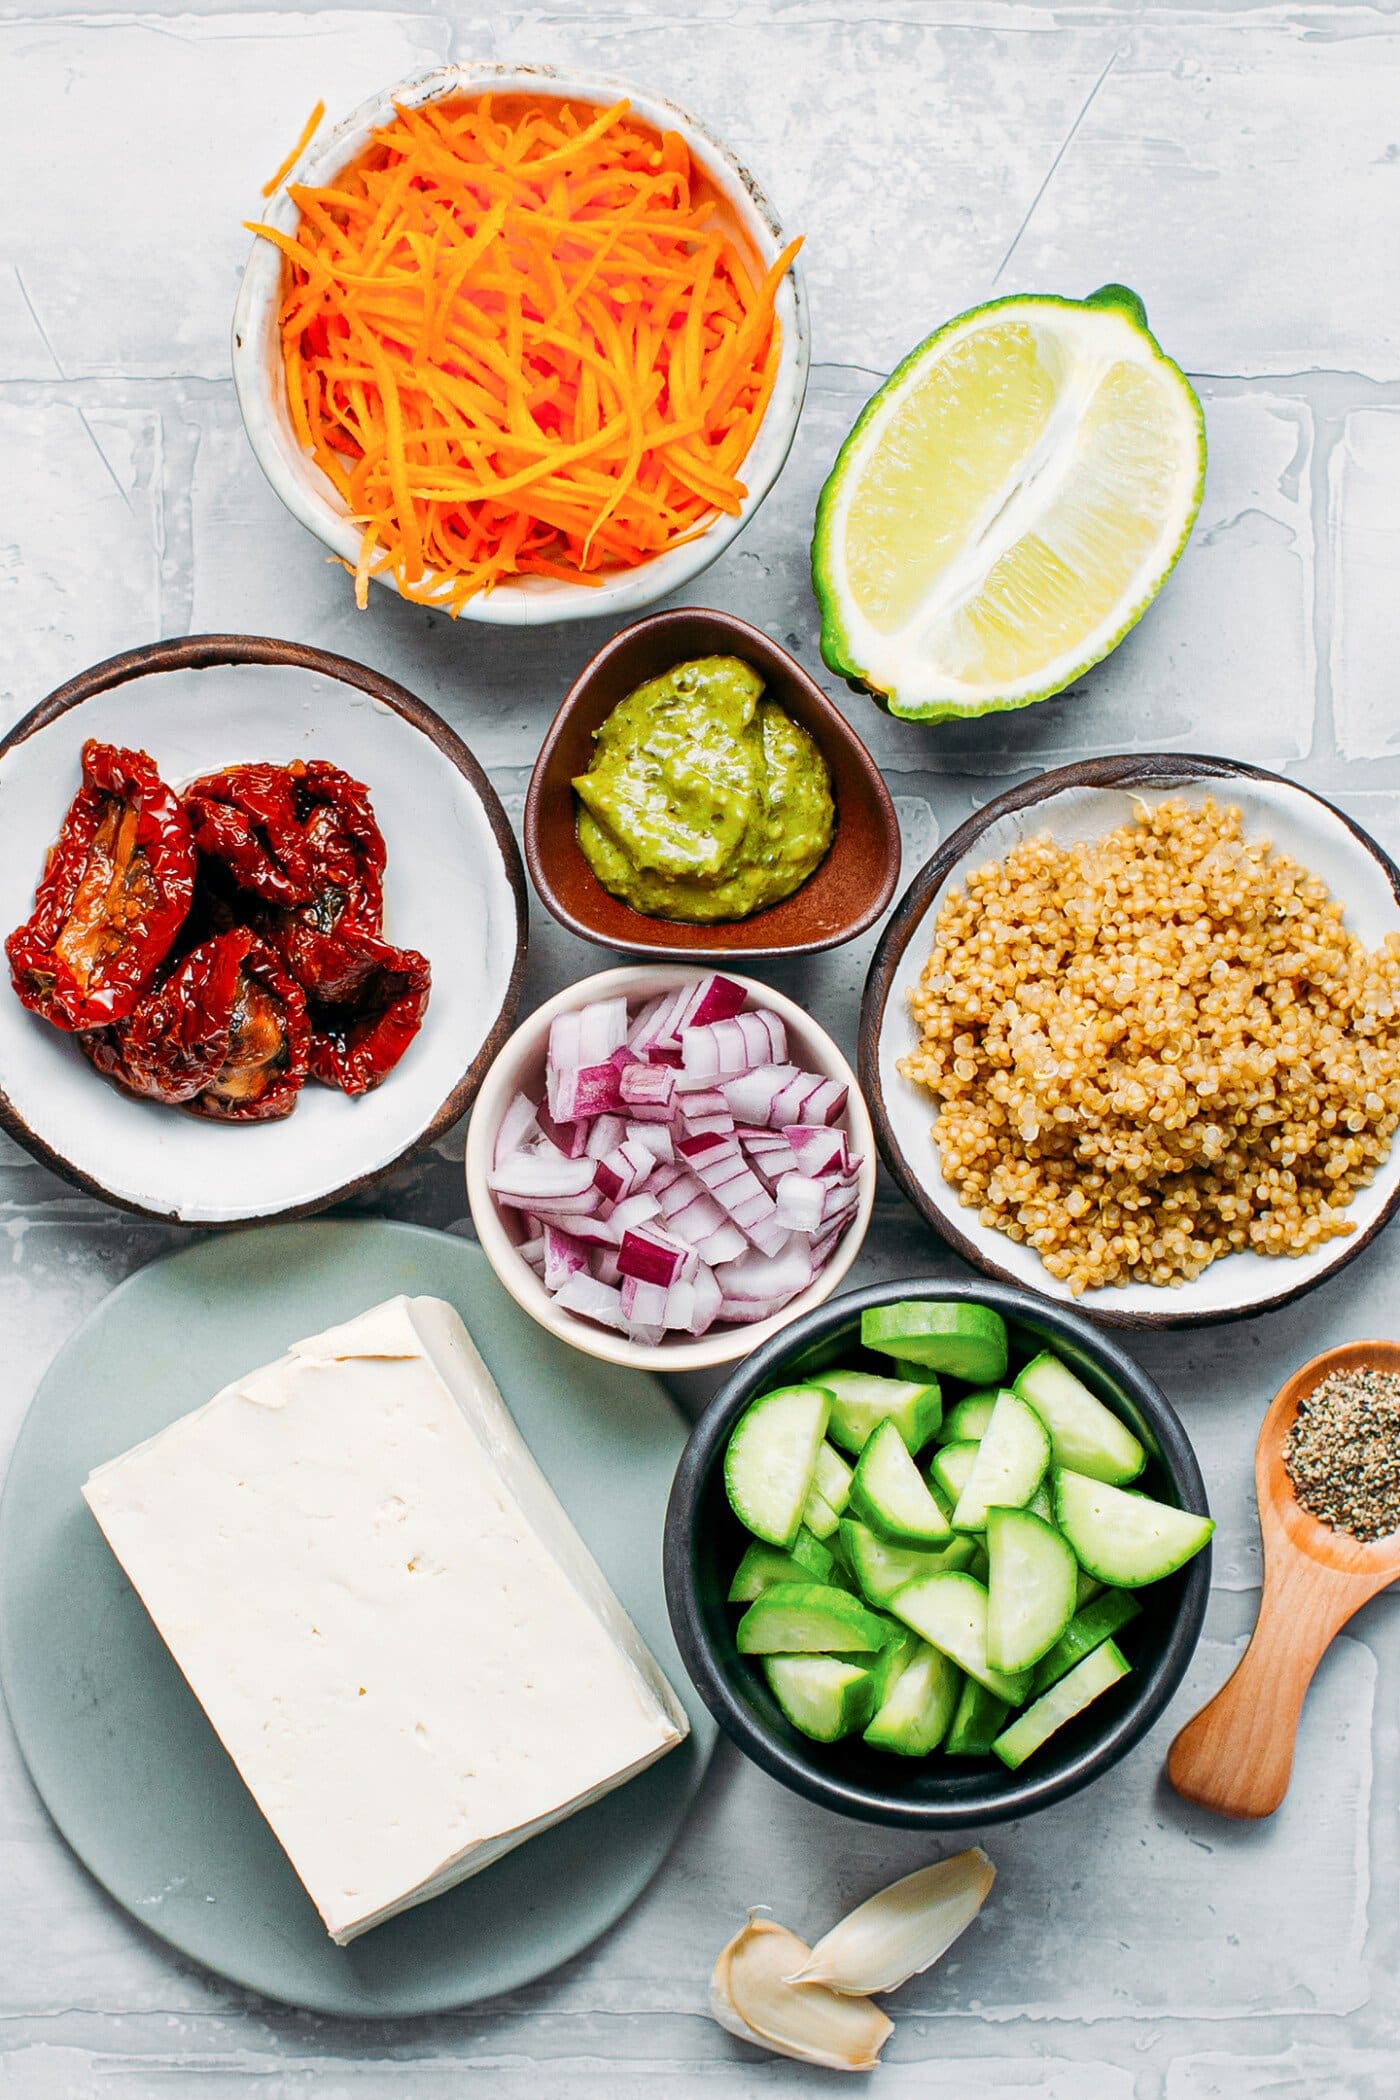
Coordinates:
[751,1998]
[901,1931]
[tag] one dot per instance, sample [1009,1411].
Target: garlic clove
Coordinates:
[751,1998]
[901,1931]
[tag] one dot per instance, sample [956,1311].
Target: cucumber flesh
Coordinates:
[762,1565]
[885,1667]
[977,1722]
[1126,1540]
[951,1468]
[1009,1466]
[881,1569]
[861,1400]
[950,1613]
[1093,1624]
[1042,1503]
[829,1493]
[818,1516]
[820,1694]
[967,1421]
[954,1336]
[771,1458]
[1104,1667]
[913,1716]
[1089,1585]
[1087,1436]
[808,1618]
[1030,1588]
[888,1492]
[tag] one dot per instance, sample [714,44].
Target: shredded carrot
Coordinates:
[300,147]
[521,339]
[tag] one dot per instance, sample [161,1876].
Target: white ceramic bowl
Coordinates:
[520,1068]
[1085,802]
[454,888]
[536,600]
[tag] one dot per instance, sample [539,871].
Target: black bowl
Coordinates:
[704,1541]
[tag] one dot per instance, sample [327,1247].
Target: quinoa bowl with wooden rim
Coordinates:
[1076,805]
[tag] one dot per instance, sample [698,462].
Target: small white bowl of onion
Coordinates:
[665,1166]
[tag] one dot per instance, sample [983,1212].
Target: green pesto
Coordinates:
[703,800]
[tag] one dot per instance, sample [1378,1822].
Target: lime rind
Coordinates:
[840,651]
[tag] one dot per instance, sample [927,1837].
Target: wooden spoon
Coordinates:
[1236,1757]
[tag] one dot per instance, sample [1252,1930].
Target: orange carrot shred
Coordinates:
[521,339]
[307,132]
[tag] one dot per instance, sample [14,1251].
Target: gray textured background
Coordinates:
[1240,166]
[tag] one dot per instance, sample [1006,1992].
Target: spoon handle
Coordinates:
[1236,1756]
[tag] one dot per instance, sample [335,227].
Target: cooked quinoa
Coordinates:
[1156,1048]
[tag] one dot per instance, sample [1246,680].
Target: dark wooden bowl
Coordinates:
[1321,836]
[847,893]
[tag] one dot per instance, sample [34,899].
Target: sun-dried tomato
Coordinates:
[115,891]
[225,1034]
[358,1039]
[293,835]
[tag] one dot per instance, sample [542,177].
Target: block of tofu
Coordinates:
[372,1590]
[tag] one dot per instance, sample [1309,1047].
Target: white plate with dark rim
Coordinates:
[1082,802]
[454,888]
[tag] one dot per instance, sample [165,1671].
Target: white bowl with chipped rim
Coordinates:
[527,601]
[1080,802]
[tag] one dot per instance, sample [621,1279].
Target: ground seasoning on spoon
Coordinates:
[1343,1453]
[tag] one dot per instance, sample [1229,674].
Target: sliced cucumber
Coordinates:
[1089,1585]
[977,1721]
[1125,1539]
[967,1422]
[1103,1667]
[951,1468]
[1030,1589]
[860,1401]
[1087,1436]
[884,1668]
[950,1613]
[889,1493]
[809,1618]
[979,1566]
[1042,1503]
[762,1565]
[771,1458]
[1093,1624]
[881,1569]
[954,1336]
[820,1694]
[914,1714]
[829,1493]
[1009,1466]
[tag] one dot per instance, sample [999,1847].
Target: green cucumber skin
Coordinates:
[1098,1621]
[1019,1637]
[950,1468]
[966,1422]
[929,1605]
[1096,1673]
[955,1337]
[1071,1413]
[1141,1565]
[809,1618]
[914,1716]
[858,1406]
[881,1569]
[1015,1427]
[762,1565]
[889,1494]
[978,1721]
[849,1707]
[744,1460]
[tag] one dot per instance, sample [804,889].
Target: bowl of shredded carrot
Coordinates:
[520,346]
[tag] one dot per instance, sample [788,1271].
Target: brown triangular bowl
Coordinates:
[847,893]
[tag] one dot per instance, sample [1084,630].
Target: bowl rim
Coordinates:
[522,602]
[202,652]
[1126,771]
[709,1351]
[1006,1794]
[667,944]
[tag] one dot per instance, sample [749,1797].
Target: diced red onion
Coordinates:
[735,1045]
[519,1129]
[714,998]
[644,1309]
[580,1091]
[819,1151]
[593,1300]
[647,1092]
[768,1153]
[633,1211]
[654,1256]
[564,1256]
[808,1099]
[800,1200]
[752,1094]
[570,1138]
[605,1266]
[604,1134]
[654,1138]
[758,1285]
[546,1180]
[532,1251]
[704,1110]
[594,1231]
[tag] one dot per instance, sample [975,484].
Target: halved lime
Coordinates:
[1007,506]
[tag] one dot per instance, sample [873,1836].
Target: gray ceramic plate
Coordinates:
[129,1768]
